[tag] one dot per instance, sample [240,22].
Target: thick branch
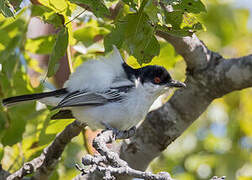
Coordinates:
[45,163]
[233,74]
[194,52]
[210,76]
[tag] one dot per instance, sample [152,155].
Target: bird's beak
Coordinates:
[174,83]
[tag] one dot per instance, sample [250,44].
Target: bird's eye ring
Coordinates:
[157,80]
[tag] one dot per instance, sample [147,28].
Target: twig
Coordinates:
[69,59]
[45,163]
[78,15]
[218,178]
[109,163]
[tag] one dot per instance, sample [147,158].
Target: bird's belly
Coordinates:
[116,115]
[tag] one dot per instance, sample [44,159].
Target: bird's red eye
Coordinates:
[157,80]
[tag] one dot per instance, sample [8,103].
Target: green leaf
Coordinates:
[14,132]
[181,21]
[137,36]
[1,152]
[3,119]
[174,18]
[45,138]
[140,39]
[16,117]
[4,55]
[116,37]
[56,126]
[151,9]
[48,15]
[4,40]
[97,6]
[167,57]
[5,8]
[180,24]
[89,33]
[56,5]
[131,3]
[189,20]
[59,50]
[51,127]
[13,30]
[191,6]
[175,32]
[30,141]
[40,45]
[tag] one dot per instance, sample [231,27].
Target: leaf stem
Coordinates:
[69,59]
[75,17]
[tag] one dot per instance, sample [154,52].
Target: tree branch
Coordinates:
[209,76]
[107,164]
[194,51]
[233,74]
[45,163]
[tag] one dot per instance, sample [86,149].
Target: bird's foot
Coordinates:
[118,134]
[126,134]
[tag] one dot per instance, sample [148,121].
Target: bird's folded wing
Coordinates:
[89,98]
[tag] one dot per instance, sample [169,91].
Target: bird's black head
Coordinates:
[156,75]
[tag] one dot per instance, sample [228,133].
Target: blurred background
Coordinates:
[218,143]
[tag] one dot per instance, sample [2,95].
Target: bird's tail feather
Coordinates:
[29,97]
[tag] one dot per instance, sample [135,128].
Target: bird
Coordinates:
[106,93]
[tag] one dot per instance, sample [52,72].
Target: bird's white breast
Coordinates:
[122,115]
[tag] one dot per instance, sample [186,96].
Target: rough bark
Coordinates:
[107,164]
[209,76]
[45,163]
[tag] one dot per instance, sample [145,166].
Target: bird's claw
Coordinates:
[121,134]
[126,134]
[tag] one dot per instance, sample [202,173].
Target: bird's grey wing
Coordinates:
[82,99]
[90,98]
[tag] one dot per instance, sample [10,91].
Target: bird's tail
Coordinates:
[30,97]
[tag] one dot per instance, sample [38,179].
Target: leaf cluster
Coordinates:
[133,29]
